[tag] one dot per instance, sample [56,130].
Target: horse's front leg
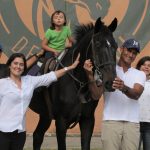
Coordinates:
[61,130]
[86,128]
[38,135]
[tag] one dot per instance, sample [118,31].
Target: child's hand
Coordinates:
[56,54]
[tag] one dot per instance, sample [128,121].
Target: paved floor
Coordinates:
[72,141]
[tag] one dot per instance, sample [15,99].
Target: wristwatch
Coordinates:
[36,55]
[65,68]
[125,89]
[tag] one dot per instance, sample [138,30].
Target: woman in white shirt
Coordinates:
[144,101]
[15,95]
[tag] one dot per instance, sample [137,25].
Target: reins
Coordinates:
[82,84]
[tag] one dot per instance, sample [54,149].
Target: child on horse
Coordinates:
[57,35]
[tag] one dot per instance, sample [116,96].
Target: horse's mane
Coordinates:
[82,30]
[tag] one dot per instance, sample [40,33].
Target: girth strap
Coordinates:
[50,64]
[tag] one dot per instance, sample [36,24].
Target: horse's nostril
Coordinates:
[108,86]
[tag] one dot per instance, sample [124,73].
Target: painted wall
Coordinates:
[23,23]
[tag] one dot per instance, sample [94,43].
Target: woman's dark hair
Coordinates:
[14,56]
[52,26]
[142,61]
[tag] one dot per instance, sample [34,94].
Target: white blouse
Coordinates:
[14,101]
[144,102]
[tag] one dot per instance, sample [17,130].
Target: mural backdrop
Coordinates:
[23,22]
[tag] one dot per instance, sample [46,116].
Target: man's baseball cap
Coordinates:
[1,48]
[132,43]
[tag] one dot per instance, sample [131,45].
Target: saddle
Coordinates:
[49,65]
[52,63]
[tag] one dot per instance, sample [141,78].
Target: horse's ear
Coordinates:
[98,25]
[113,25]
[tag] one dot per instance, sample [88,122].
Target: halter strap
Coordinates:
[82,84]
[105,64]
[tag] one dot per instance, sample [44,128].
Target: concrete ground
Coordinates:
[72,141]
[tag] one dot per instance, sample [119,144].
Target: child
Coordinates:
[56,36]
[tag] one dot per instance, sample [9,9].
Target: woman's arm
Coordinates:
[47,79]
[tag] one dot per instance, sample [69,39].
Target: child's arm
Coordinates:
[70,42]
[47,48]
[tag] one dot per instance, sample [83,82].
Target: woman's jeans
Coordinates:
[145,135]
[12,140]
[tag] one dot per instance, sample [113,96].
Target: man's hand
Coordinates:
[88,66]
[40,53]
[118,84]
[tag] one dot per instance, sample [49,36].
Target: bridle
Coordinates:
[98,67]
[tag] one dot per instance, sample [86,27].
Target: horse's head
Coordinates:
[104,52]
[96,42]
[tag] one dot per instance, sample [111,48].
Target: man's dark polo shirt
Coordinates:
[3,71]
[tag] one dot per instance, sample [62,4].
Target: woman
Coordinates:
[144,101]
[15,95]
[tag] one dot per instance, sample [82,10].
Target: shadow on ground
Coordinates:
[72,142]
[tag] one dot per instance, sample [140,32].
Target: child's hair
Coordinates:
[57,12]
[142,61]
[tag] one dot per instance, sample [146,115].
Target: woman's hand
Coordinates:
[76,62]
[59,73]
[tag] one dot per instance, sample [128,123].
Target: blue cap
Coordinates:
[1,48]
[132,43]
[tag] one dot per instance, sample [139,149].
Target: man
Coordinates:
[120,127]
[30,62]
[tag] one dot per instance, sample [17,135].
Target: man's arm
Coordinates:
[133,93]
[34,58]
[96,91]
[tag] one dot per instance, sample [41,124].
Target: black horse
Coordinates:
[71,102]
